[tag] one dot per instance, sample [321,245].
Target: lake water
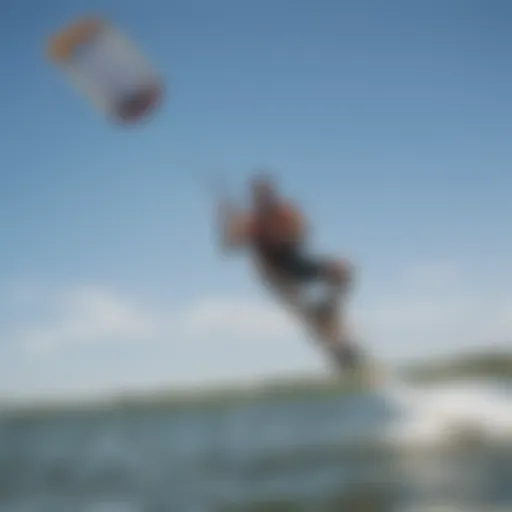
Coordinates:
[390,451]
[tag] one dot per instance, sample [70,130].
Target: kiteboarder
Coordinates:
[275,232]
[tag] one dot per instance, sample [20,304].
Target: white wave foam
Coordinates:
[447,414]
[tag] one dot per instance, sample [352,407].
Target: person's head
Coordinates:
[263,192]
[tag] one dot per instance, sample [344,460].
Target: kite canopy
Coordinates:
[107,68]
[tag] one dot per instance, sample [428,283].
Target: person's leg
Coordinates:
[336,275]
[347,356]
[285,289]
[328,328]
[328,316]
[290,270]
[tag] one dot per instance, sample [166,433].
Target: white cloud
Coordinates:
[97,314]
[84,315]
[226,338]
[429,312]
[236,317]
[436,308]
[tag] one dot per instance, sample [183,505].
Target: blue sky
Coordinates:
[390,122]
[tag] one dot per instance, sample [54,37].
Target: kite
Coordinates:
[107,68]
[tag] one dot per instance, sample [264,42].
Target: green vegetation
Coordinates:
[486,365]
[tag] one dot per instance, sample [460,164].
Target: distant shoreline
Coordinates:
[488,366]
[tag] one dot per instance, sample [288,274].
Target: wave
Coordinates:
[447,414]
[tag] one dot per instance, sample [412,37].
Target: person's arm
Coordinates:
[234,226]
